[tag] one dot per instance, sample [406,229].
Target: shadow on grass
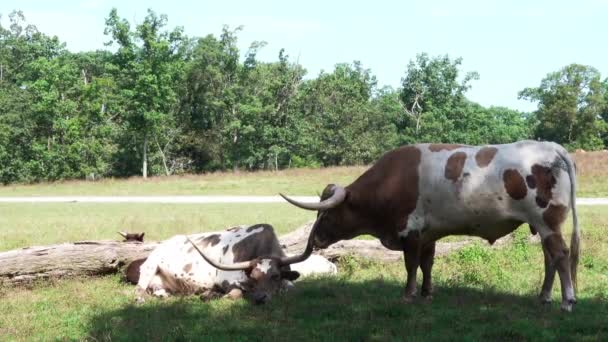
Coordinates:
[340,309]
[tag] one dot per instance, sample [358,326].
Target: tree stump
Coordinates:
[69,260]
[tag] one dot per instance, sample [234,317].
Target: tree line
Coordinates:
[159,102]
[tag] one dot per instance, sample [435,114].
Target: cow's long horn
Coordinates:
[307,251]
[338,197]
[239,266]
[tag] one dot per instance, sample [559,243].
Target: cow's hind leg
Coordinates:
[427,258]
[557,258]
[411,254]
[545,294]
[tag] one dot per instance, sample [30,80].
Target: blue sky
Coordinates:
[512,44]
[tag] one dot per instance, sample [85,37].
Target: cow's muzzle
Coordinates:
[260,298]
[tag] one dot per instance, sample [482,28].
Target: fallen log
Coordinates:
[296,241]
[82,258]
[90,258]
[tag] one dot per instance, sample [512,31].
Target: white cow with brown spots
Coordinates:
[239,261]
[417,194]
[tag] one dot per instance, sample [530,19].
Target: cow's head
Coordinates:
[266,275]
[338,217]
[132,237]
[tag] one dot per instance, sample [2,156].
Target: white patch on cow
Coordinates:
[477,202]
[315,264]
[162,293]
[263,266]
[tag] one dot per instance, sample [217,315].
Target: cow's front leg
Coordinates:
[411,254]
[427,258]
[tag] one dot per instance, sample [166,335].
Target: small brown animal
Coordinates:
[132,271]
[131,237]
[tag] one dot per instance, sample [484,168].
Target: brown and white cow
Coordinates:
[417,194]
[241,260]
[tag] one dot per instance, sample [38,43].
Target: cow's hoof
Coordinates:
[140,300]
[568,305]
[408,299]
[428,298]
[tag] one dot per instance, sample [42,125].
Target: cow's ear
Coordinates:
[141,236]
[290,275]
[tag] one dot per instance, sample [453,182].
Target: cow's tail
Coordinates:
[575,240]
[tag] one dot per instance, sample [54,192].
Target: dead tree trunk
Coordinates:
[295,242]
[68,260]
[87,258]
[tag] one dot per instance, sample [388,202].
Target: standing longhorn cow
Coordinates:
[239,260]
[417,194]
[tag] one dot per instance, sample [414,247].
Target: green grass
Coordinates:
[480,293]
[48,223]
[293,181]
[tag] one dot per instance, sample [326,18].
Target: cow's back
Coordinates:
[464,189]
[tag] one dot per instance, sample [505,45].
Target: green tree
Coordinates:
[431,92]
[340,121]
[571,103]
[149,63]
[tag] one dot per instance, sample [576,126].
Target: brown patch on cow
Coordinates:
[263,243]
[132,271]
[541,202]
[555,215]
[514,184]
[544,181]
[454,166]
[225,249]
[205,241]
[187,268]
[531,181]
[556,246]
[485,155]
[384,196]
[441,147]
[212,240]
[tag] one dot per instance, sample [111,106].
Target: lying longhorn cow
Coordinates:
[417,194]
[240,261]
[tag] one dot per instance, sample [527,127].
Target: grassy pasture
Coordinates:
[592,177]
[47,223]
[481,293]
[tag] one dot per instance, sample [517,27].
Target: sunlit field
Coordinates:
[482,292]
[592,168]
